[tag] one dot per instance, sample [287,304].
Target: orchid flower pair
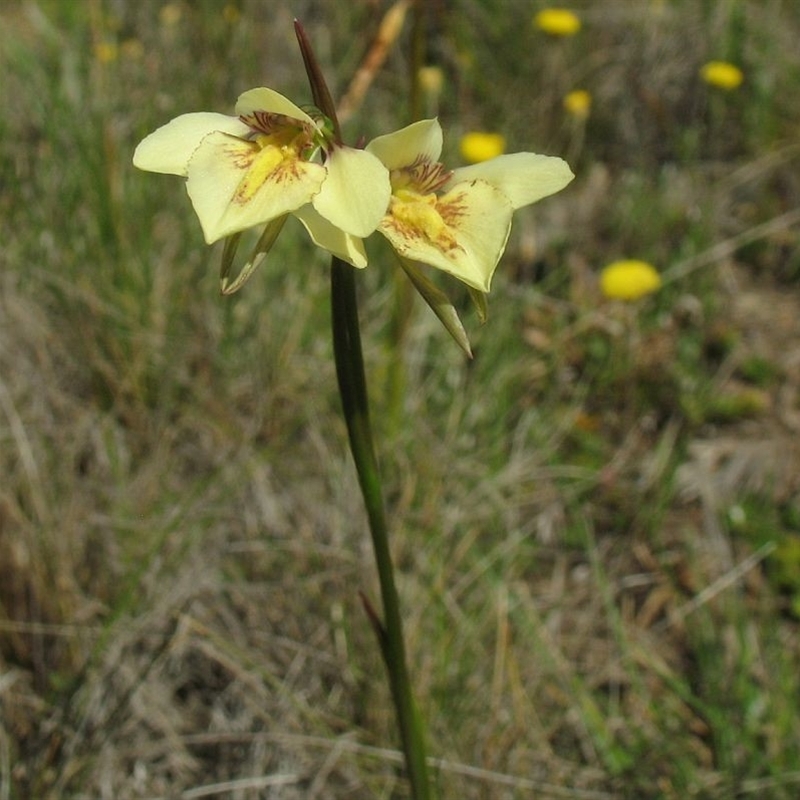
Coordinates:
[273,159]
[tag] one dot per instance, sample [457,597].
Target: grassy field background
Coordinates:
[596,521]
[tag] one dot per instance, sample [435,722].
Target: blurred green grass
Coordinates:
[181,536]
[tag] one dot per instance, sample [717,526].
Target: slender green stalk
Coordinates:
[353,391]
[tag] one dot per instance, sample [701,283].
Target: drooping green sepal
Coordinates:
[262,247]
[481,304]
[439,302]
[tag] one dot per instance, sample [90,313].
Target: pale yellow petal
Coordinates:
[263,99]
[523,177]
[419,141]
[169,148]
[234,184]
[329,237]
[356,192]
[463,232]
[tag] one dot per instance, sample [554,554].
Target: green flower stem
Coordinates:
[353,391]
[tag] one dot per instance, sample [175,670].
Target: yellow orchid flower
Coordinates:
[457,221]
[256,168]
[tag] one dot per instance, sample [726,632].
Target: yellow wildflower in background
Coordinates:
[557,21]
[629,279]
[105,52]
[431,84]
[477,146]
[231,14]
[431,79]
[722,74]
[578,103]
[170,14]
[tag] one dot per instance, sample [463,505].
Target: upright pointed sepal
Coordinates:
[319,88]
[439,303]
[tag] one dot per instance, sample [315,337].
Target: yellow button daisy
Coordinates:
[629,279]
[722,74]
[557,21]
[477,146]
